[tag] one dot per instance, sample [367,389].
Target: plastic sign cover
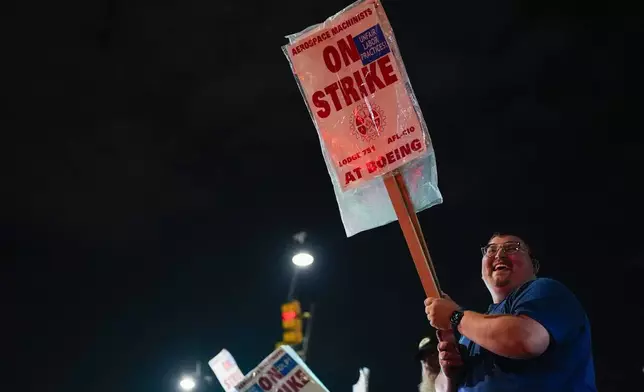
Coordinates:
[355,86]
[282,371]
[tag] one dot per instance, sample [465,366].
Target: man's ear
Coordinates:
[535,265]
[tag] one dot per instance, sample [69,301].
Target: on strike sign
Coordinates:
[357,91]
[282,371]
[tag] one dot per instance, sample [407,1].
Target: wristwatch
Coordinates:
[455,319]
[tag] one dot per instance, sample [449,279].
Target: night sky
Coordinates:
[161,157]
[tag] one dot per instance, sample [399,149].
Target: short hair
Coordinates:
[536,264]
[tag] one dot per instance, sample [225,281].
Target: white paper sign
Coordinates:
[226,370]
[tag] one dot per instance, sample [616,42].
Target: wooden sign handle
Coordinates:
[410,226]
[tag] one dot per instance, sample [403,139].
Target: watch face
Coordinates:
[456,317]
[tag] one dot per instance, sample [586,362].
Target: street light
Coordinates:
[187,383]
[302,259]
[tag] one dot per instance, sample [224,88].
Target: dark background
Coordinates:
[160,157]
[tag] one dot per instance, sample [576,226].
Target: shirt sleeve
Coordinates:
[552,305]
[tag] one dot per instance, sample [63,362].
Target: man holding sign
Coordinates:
[534,337]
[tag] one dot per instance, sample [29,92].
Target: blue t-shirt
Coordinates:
[567,364]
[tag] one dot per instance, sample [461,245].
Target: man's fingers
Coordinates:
[429,301]
[449,359]
[446,346]
[451,362]
[455,363]
[446,336]
[449,356]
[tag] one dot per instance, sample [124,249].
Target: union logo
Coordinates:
[368,122]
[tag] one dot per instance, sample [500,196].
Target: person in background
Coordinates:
[534,337]
[428,356]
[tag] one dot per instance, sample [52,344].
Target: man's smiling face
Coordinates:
[506,264]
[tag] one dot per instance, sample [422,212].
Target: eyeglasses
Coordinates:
[508,248]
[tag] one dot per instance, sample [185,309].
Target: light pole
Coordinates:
[302,260]
[307,334]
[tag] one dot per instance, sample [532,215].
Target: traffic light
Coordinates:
[292,323]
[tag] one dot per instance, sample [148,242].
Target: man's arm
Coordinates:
[545,313]
[516,337]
